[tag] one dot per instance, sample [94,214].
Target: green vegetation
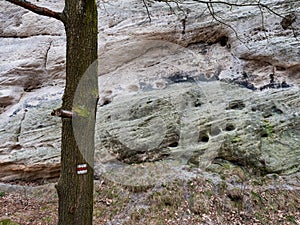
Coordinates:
[292,219]
[267,129]
[8,222]
[235,139]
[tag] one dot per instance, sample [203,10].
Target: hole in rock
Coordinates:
[264,134]
[105,102]
[197,103]
[276,110]
[173,144]
[203,137]
[229,127]
[236,105]
[253,109]
[280,68]
[223,41]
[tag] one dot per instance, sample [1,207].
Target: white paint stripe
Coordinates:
[82,172]
[82,166]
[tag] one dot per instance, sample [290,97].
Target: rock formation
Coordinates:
[197,94]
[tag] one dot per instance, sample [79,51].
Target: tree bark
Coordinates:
[75,191]
[78,112]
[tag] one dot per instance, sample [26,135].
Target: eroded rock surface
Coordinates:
[203,124]
[165,91]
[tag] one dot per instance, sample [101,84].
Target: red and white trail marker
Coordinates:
[82,169]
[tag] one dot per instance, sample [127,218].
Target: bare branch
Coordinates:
[37,9]
[212,13]
[263,27]
[210,6]
[258,4]
[148,13]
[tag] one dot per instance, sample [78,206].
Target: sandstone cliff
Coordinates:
[182,88]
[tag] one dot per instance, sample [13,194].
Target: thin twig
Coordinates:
[212,13]
[240,5]
[263,21]
[148,13]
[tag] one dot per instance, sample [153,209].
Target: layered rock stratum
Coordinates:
[182,90]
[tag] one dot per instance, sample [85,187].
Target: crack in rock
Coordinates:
[47,53]
[18,131]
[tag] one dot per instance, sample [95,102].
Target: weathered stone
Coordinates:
[30,137]
[158,90]
[255,130]
[9,95]
[17,22]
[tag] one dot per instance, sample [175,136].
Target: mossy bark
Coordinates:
[75,191]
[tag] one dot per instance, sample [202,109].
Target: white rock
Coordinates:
[135,56]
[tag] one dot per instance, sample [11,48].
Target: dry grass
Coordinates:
[195,201]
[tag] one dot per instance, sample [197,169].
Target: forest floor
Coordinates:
[267,200]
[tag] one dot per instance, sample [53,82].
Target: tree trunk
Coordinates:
[75,188]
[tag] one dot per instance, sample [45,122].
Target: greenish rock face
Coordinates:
[144,128]
[281,152]
[202,124]
[199,124]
